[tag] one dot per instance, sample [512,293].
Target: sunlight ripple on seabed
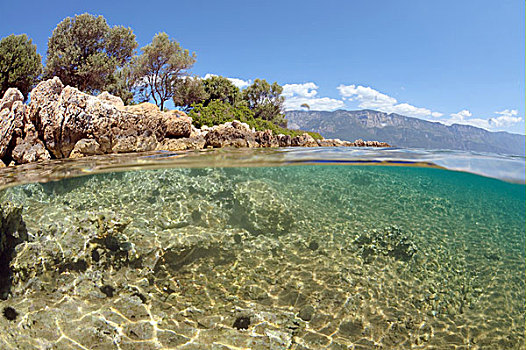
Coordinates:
[238,249]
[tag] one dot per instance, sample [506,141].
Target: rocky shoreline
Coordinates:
[62,122]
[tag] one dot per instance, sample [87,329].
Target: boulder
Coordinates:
[65,116]
[175,123]
[332,143]
[362,143]
[10,96]
[197,133]
[27,147]
[266,139]
[231,134]
[30,151]
[85,147]
[304,140]
[123,143]
[11,123]
[18,136]
[187,143]
[284,140]
[109,98]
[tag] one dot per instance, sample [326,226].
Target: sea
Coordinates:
[288,248]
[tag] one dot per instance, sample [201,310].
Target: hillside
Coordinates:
[402,131]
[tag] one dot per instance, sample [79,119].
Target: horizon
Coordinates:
[448,62]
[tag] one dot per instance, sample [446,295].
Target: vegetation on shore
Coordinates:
[86,53]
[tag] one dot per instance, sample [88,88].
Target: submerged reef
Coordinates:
[245,258]
[390,241]
[12,232]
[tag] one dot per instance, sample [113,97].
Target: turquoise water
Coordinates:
[254,254]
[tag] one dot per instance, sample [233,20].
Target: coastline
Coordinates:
[62,122]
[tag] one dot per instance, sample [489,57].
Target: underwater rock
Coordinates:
[12,233]
[10,313]
[390,242]
[351,329]
[306,313]
[95,242]
[107,290]
[260,209]
[313,245]
[242,322]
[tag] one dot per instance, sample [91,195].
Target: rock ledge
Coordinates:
[61,122]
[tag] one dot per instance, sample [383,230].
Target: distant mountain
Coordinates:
[402,131]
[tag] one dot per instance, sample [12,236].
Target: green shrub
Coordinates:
[219,112]
[260,124]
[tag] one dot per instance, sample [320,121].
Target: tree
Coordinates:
[85,52]
[266,101]
[189,91]
[160,66]
[222,89]
[20,64]
[123,84]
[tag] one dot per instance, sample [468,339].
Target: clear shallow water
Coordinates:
[246,252]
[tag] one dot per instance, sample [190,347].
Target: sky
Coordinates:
[447,61]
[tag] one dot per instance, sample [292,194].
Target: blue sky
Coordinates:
[449,61]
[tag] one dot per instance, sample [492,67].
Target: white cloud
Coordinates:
[461,118]
[370,98]
[240,83]
[297,95]
[508,112]
[504,119]
[461,115]
[507,118]
[315,104]
[303,90]
[367,96]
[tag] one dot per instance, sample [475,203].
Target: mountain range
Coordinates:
[402,131]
